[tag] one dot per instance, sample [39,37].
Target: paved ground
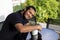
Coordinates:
[55,27]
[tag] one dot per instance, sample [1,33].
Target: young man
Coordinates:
[16,26]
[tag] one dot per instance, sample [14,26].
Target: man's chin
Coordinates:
[28,19]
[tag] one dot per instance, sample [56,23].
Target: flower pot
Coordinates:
[43,24]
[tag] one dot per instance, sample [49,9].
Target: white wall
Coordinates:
[16,2]
[6,7]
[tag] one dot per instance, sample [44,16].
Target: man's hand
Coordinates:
[39,27]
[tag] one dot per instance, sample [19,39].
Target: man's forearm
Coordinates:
[25,29]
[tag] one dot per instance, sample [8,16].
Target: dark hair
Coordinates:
[28,7]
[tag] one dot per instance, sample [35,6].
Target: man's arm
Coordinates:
[26,28]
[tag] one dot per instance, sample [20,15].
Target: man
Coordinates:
[16,26]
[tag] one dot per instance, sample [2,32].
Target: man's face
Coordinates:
[29,13]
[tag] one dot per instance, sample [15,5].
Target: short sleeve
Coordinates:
[16,19]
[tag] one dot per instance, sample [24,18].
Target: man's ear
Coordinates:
[23,10]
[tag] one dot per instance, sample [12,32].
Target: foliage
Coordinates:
[59,10]
[18,7]
[45,9]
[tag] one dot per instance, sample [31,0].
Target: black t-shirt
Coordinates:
[9,29]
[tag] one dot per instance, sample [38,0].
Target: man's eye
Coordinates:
[31,13]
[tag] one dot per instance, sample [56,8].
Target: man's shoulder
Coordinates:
[14,14]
